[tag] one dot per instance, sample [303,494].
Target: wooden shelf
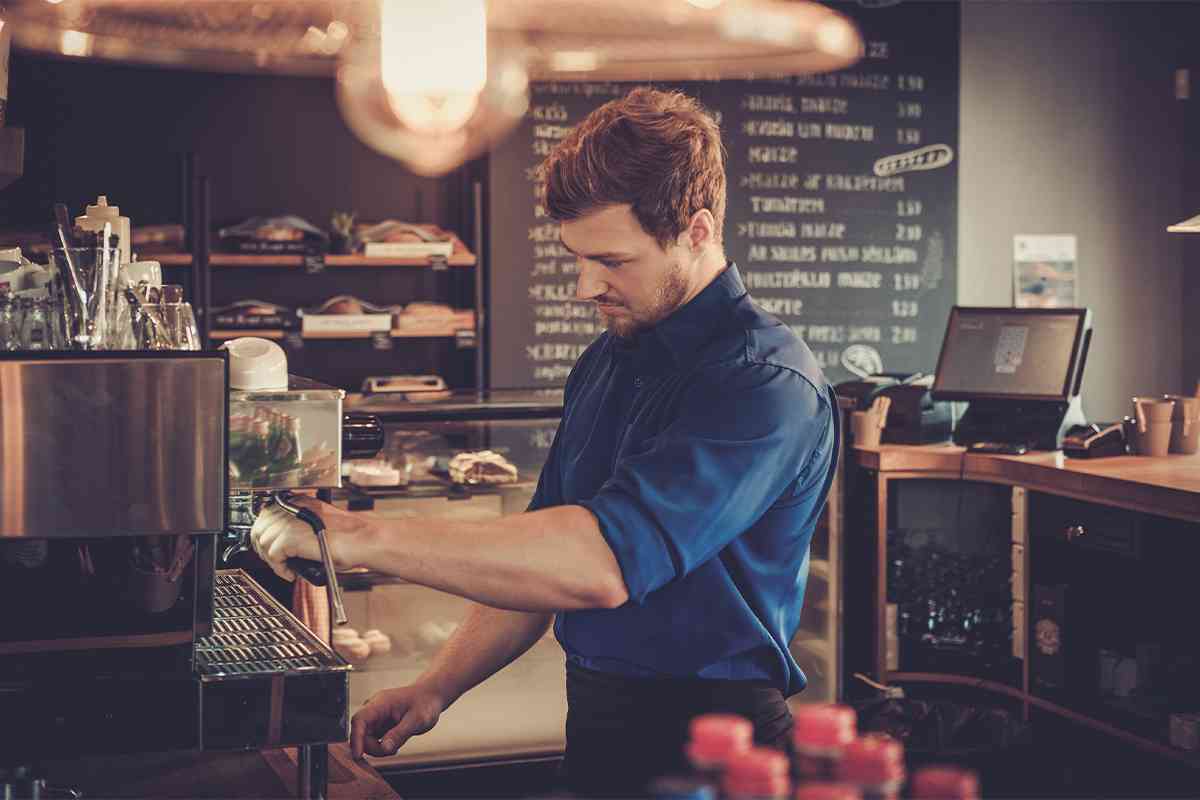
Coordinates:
[461,257]
[1161,748]
[430,333]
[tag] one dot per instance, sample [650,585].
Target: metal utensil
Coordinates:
[309,570]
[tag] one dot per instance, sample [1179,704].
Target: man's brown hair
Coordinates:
[660,152]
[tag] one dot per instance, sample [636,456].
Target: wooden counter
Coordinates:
[1166,485]
[257,774]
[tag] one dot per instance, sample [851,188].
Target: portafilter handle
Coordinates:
[316,573]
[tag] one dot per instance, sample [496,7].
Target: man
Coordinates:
[670,527]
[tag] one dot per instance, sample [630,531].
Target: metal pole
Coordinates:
[480,305]
[304,772]
[200,262]
[312,779]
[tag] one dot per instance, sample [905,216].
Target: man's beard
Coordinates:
[667,298]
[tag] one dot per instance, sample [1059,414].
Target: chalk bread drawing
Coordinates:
[928,157]
[862,360]
[933,269]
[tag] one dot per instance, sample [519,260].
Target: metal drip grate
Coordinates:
[254,635]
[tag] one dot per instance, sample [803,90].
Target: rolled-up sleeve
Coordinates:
[549,486]
[743,435]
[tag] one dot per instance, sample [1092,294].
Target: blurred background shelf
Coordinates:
[460,258]
[274,333]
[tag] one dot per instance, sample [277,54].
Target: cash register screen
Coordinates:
[1009,353]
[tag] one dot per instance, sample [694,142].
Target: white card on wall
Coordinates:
[1045,271]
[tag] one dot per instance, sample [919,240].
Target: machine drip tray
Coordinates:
[265,679]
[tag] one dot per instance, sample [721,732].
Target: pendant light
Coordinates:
[433,83]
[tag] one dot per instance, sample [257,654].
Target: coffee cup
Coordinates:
[867,427]
[1153,415]
[1185,424]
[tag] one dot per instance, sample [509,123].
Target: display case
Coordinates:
[285,437]
[519,712]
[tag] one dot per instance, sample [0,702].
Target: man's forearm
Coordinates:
[487,640]
[551,560]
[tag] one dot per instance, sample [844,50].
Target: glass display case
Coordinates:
[519,712]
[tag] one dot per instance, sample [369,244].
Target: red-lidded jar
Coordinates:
[944,783]
[822,790]
[875,764]
[820,733]
[715,738]
[757,774]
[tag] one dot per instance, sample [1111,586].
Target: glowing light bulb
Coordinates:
[837,37]
[427,90]
[439,97]
[76,43]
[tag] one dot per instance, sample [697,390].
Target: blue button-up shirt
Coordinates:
[705,448]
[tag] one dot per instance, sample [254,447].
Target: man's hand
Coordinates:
[278,536]
[391,717]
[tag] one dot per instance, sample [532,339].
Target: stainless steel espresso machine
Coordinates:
[118,632]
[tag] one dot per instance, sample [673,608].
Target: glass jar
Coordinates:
[875,764]
[760,773]
[35,328]
[820,733]
[10,326]
[944,783]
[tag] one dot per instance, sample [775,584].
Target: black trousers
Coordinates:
[623,732]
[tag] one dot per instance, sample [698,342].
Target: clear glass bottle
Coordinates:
[10,328]
[35,328]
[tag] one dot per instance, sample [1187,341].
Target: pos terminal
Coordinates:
[1020,371]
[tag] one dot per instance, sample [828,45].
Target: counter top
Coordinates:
[492,404]
[255,773]
[1166,485]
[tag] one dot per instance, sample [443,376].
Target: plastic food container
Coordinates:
[286,438]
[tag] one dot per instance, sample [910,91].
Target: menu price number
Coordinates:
[904,334]
[904,308]
[314,263]
[909,110]
[908,208]
[908,136]
[910,83]
[908,233]
[878,50]
[906,281]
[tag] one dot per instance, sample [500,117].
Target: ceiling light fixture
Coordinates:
[435,82]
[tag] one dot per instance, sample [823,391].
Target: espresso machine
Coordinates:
[119,633]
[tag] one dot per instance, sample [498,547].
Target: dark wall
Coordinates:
[269,144]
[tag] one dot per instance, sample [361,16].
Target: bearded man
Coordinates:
[669,533]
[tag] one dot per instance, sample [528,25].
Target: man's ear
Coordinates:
[700,232]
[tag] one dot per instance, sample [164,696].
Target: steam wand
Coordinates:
[311,571]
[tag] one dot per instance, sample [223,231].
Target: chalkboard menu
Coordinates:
[841,214]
